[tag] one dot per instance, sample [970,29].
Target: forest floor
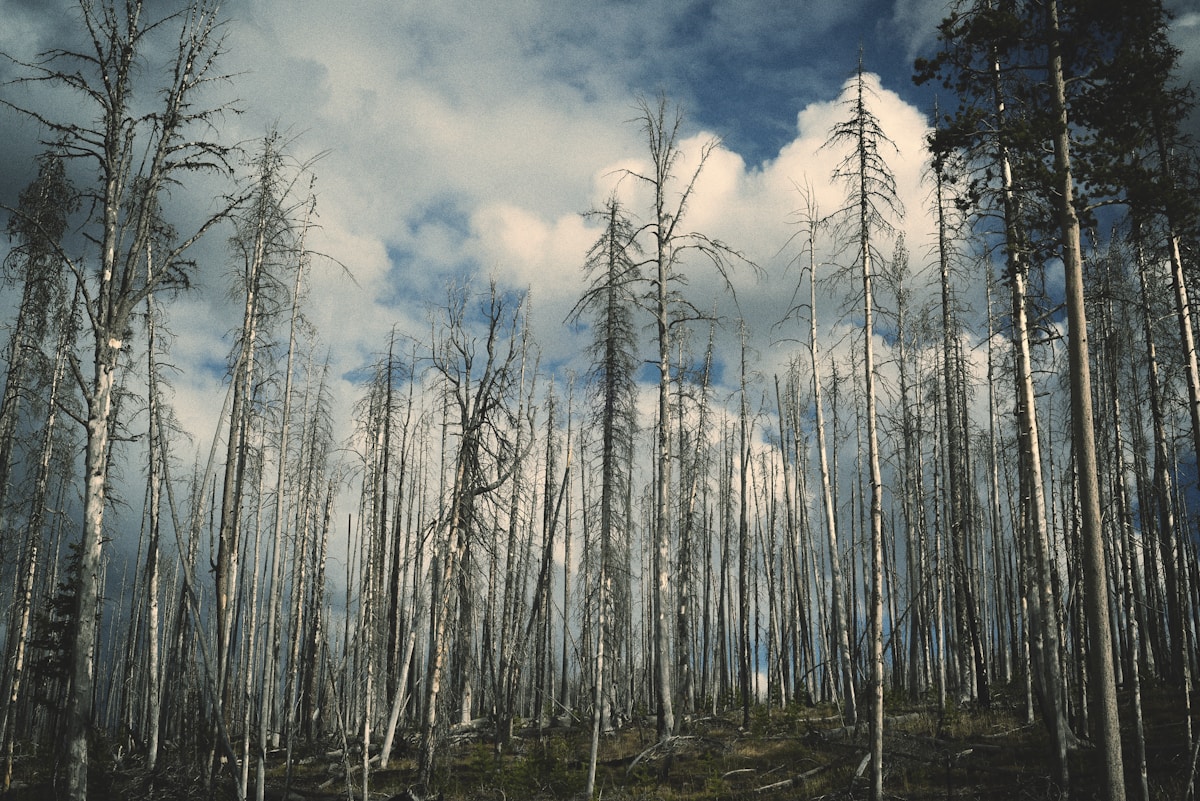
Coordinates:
[801,752]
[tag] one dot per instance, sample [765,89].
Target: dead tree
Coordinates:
[135,156]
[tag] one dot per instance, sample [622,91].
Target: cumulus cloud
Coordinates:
[748,208]
[461,144]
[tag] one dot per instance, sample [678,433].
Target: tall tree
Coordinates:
[983,61]
[746,660]
[1140,156]
[29,567]
[945,172]
[256,245]
[609,300]
[135,155]
[812,222]
[36,264]
[871,204]
[1083,434]
[669,200]
[477,372]
[162,237]
[271,644]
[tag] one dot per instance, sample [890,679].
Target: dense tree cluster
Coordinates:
[973,499]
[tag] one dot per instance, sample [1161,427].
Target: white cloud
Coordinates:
[524,250]
[462,142]
[749,209]
[916,21]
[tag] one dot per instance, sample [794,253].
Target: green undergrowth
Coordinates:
[797,752]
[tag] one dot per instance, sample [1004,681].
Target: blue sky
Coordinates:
[462,138]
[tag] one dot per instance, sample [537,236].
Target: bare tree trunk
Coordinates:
[1162,481]
[506,663]
[662,549]
[80,694]
[450,554]
[401,695]
[1183,311]
[1124,521]
[29,566]
[876,603]
[116,38]
[598,690]
[481,393]
[191,604]
[252,675]
[745,657]
[154,688]
[271,641]
[229,535]
[872,190]
[366,604]
[841,629]
[563,676]
[685,603]
[302,530]
[994,509]
[957,469]
[1083,439]
[1046,643]
[724,684]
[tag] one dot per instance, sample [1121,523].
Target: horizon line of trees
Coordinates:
[963,501]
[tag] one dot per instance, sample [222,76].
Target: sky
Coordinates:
[465,140]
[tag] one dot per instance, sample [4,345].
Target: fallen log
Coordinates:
[297,794]
[799,780]
[843,732]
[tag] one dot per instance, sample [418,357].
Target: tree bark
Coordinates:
[841,628]
[1095,576]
